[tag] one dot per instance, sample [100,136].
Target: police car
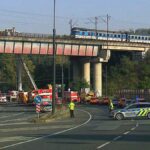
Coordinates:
[141,109]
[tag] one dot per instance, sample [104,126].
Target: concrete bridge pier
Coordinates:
[98,78]
[104,56]
[86,71]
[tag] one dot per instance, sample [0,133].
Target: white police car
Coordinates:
[141,109]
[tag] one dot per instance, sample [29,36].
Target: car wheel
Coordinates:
[148,115]
[119,116]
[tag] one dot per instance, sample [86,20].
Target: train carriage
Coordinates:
[110,35]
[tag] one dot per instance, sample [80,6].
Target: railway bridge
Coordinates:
[84,50]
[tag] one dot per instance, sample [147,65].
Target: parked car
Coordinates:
[3,98]
[46,105]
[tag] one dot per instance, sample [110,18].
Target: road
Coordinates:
[91,129]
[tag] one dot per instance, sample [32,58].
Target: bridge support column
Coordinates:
[86,71]
[98,78]
[19,74]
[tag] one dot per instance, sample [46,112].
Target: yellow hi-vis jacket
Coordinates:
[71,106]
[111,105]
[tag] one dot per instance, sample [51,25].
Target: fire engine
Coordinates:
[71,96]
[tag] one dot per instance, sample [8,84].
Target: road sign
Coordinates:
[37,99]
[38,108]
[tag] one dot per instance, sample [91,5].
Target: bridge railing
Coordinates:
[29,35]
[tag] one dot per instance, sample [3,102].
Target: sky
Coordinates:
[36,16]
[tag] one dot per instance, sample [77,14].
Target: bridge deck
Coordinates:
[64,46]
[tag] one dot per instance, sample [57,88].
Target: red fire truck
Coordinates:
[71,96]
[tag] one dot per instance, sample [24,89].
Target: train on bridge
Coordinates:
[85,33]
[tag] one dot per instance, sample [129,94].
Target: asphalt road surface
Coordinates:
[91,129]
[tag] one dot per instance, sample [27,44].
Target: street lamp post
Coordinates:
[54,64]
[106,80]
[62,80]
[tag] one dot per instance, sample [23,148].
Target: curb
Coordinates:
[60,114]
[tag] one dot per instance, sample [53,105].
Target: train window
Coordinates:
[135,37]
[115,35]
[132,37]
[100,34]
[139,37]
[119,35]
[92,34]
[89,33]
[104,35]
[83,33]
[145,38]
[142,38]
[149,38]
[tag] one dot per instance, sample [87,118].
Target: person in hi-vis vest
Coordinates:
[71,108]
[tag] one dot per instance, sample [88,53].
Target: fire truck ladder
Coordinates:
[28,73]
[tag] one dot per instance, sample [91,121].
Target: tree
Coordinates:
[7,72]
[81,83]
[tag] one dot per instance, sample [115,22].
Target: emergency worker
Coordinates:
[71,108]
[111,105]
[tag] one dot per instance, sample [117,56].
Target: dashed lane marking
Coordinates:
[133,129]
[125,133]
[101,146]
[117,138]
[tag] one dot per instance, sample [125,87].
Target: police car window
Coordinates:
[144,105]
[133,106]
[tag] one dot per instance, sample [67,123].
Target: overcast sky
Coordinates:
[36,16]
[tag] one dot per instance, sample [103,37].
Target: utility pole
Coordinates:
[107,22]
[62,78]
[96,22]
[72,24]
[54,64]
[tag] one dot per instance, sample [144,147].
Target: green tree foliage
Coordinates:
[27,86]
[81,83]
[143,31]
[129,74]
[144,72]
[7,72]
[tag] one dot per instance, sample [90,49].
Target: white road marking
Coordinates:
[133,128]
[56,133]
[101,146]
[11,115]
[17,119]
[4,116]
[15,123]
[116,138]
[35,128]
[14,138]
[125,133]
